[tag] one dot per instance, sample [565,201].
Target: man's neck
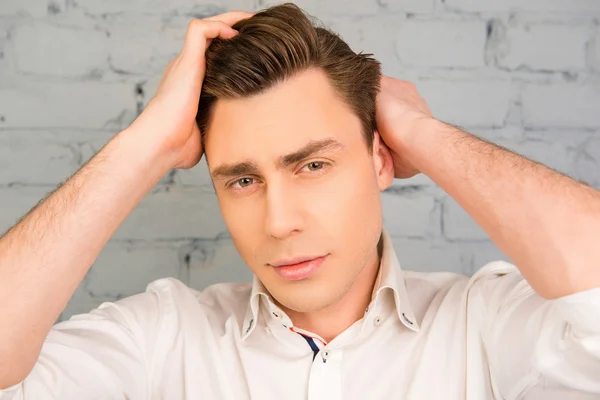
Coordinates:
[330,321]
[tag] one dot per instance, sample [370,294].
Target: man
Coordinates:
[297,167]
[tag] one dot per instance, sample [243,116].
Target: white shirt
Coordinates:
[424,336]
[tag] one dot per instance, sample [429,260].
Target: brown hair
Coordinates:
[277,43]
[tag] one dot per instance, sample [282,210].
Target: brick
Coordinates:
[47,49]
[458,257]
[441,43]
[426,256]
[123,269]
[34,8]
[82,105]
[413,215]
[35,158]
[561,105]
[570,6]
[174,214]
[458,224]
[596,53]
[407,6]
[469,104]
[545,47]
[363,34]
[57,7]
[15,202]
[321,9]
[214,262]
[144,44]
[587,162]
[160,7]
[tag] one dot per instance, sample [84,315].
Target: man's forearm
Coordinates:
[45,256]
[547,223]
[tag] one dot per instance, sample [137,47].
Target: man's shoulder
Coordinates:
[174,287]
[168,300]
[223,297]
[425,288]
[447,280]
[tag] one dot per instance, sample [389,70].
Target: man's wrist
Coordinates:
[422,136]
[145,151]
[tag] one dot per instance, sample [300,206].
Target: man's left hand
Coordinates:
[401,114]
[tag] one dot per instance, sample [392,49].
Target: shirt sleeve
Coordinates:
[100,355]
[535,345]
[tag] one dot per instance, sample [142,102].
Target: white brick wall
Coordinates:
[144,44]
[481,103]
[135,264]
[35,8]
[441,43]
[160,7]
[411,215]
[549,47]
[176,213]
[78,104]
[562,105]
[36,158]
[525,73]
[595,52]
[48,49]
[570,6]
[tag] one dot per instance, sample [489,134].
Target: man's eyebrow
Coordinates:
[249,167]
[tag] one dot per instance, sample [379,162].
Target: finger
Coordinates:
[231,17]
[199,31]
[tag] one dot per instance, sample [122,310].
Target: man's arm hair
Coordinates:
[44,257]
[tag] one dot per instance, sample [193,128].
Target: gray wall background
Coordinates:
[523,73]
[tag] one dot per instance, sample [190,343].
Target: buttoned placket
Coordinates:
[325,377]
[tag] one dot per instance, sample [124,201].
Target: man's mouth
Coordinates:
[298,268]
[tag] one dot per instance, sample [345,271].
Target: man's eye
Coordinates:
[315,165]
[244,182]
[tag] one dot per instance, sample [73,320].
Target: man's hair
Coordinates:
[275,44]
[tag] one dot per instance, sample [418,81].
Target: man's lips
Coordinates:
[298,268]
[293,261]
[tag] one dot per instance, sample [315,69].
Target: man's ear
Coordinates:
[384,166]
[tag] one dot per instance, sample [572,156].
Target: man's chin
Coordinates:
[305,300]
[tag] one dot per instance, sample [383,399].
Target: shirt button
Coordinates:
[377,321]
[276,315]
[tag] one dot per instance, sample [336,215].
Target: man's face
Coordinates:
[326,203]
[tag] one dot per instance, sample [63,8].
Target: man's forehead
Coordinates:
[300,106]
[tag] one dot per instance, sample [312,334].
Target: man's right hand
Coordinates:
[169,118]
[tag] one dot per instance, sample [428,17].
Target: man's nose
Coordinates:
[284,216]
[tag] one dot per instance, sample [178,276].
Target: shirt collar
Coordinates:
[389,278]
